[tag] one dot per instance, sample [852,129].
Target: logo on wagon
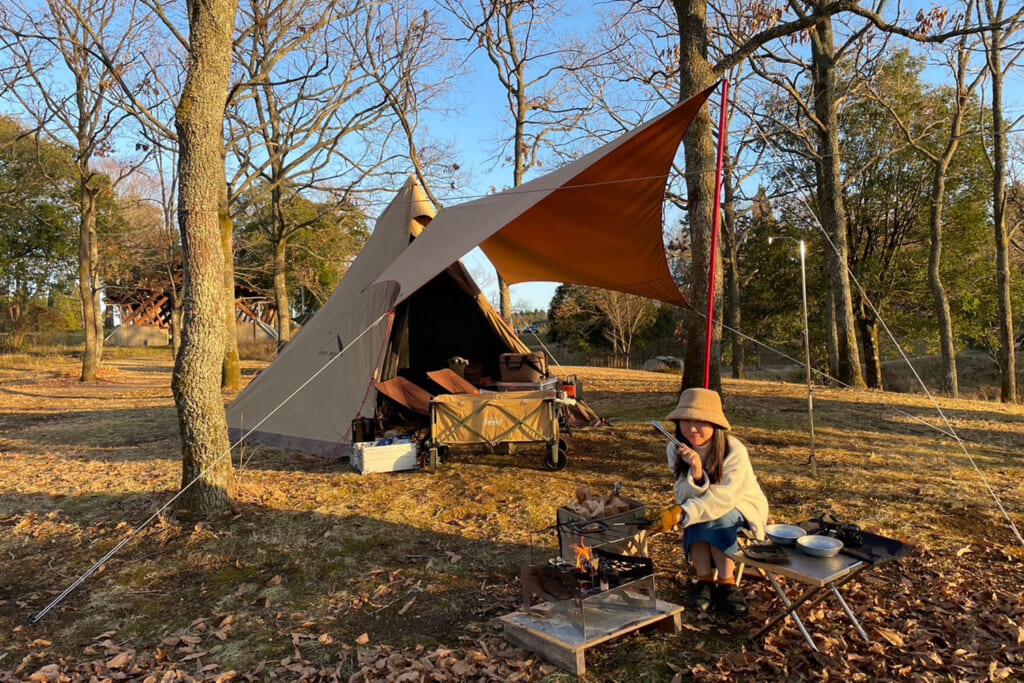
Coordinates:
[494,422]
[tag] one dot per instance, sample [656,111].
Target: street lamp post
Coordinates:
[812,461]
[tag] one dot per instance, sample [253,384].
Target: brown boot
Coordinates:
[700,597]
[728,599]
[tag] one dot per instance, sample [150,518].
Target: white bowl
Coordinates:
[820,546]
[783,534]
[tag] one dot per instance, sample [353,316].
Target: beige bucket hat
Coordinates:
[700,404]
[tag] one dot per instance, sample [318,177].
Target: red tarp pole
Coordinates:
[713,253]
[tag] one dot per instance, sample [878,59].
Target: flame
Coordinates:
[585,560]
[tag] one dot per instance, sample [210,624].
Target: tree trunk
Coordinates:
[504,299]
[1007,355]
[830,200]
[281,292]
[942,315]
[695,75]
[832,336]
[731,275]
[88,278]
[175,326]
[200,119]
[518,171]
[869,336]
[231,369]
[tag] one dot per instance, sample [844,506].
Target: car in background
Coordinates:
[530,329]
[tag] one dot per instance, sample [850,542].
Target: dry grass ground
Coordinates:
[321,574]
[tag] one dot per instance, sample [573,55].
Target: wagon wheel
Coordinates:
[558,456]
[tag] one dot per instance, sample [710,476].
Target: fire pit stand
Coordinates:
[562,634]
[586,605]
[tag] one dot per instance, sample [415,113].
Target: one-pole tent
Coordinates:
[326,376]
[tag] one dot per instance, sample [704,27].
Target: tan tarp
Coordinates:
[596,221]
[493,418]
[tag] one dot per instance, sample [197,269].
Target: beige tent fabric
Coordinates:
[319,418]
[596,221]
[506,333]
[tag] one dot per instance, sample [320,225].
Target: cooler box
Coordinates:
[474,374]
[523,367]
[380,456]
[624,533]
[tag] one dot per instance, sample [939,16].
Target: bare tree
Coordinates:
[825,57]
[196,383]
[939,148]
[1002,25]
[64,88]
[582,312]
[628,315]
[406,53]
[303,94]
[533,61]
[167,177]
[814,132]
[145,92]
[745,147]
[696,74]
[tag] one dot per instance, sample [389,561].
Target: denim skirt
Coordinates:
[719,533]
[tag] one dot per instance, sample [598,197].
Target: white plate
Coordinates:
[820,546]
[783,534]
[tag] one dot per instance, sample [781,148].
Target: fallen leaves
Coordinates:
[891,636]
[955,605]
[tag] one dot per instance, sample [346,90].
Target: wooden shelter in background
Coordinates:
[145,314]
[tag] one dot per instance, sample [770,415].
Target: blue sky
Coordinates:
[483,118]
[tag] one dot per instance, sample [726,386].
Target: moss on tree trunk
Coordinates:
[197,369]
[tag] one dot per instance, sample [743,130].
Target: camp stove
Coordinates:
[584,591]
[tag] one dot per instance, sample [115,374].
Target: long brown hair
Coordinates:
[712,463]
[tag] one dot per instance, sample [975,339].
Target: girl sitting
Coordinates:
[717,495]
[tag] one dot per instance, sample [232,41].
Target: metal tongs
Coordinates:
[669,435]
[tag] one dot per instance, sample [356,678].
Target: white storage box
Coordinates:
[368,456]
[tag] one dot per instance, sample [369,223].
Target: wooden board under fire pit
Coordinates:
[557,639]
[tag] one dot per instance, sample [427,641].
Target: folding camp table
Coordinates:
[823,576]
[493,418]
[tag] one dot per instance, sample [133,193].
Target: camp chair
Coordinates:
[452,382]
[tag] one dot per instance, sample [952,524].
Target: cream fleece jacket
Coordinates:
[738,489]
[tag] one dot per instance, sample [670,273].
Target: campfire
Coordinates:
[595,571]
[610,553]
[585,560]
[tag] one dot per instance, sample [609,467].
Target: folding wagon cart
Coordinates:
[493,419]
